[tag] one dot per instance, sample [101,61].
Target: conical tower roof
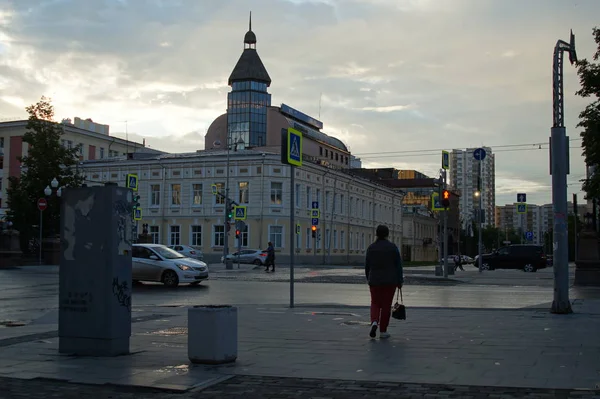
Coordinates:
[250,66]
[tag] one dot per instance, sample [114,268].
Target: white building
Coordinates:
[179,207]
[464,174]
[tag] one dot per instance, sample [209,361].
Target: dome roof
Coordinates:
[250,38]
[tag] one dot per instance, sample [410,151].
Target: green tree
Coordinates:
[46,159]
[589,118]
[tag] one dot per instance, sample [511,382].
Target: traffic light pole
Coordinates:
[445,233]
[228,262]
[479,218]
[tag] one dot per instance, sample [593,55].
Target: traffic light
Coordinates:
[314,231]
[229,210]
[446,199]
[136,201]
[237,234]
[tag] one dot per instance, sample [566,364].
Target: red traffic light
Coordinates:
[446,195]
[237,232]
[314,228]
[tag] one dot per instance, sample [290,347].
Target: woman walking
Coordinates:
[270,261]
[383,268]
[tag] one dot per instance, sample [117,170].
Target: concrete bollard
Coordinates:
[212,334]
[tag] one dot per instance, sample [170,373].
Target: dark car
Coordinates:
[527,257]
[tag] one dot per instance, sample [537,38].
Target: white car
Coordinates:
[188,251]
[155,262]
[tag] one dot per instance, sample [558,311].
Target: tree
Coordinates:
[589,118]
[46,159]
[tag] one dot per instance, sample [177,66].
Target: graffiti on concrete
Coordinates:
[122,292]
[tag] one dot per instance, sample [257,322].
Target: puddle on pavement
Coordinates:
[181,369]
[11,323]
[169,331]
[329,314]
[355,323]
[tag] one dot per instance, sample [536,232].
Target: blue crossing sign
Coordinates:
[132,181]
[239,212]
[137,214]
[521,208]
[291,147]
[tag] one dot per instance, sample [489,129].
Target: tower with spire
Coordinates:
[248,100]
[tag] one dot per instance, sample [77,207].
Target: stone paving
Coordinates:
[503,348]
[250,387]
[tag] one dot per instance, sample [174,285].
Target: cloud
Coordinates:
[480,72]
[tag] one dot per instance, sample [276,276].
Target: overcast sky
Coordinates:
[403,76]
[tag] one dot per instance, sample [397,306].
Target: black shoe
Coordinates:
[373,332]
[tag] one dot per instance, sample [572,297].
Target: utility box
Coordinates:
[94,316]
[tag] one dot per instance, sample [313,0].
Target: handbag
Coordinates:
[399,310]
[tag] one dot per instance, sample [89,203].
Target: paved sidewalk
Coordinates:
[527,348]
[250,387]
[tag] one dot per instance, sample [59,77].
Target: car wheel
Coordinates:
[170,278]
[529,268]
[257,262]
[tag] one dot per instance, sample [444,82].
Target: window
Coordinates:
[244,236]
[155,195]
[357,243]
[244,192]
[196,236]
[276,194]
[350,242]
[196,194]
[318,195]
[297,194]
[342,239]
[308,238]
[101,153]
[154,233]
[176,194]
[308,198]
[363,241]
[175,235]
[219,200]
[342,204]
[335,237]
[327,201]
[327,238]
[298,240]
[276,235]
[218,235]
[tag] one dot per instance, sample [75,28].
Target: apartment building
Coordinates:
[179,207]
[464,176]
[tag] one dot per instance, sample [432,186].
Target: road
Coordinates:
[31,292]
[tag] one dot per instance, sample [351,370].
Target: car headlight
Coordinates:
[183,267]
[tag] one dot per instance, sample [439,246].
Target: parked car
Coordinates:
[254,256]
[155,262]
[528,257]
[188,251]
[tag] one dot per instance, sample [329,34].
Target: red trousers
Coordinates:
[381,304]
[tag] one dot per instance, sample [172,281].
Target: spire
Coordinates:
[250,38]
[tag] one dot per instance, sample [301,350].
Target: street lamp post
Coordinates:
[559,169]
[41,206]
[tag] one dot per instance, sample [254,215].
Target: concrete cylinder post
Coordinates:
[95,271]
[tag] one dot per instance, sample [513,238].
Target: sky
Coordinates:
[396,80]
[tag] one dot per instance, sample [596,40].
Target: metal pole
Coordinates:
[445,234]
[575,233]
[561,303]
[292,233]
[40,243]
[239,247]
[480,219]
[228,262]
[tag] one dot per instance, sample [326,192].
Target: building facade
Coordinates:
[419,235]
[464,180]
[179,207]
[93,144]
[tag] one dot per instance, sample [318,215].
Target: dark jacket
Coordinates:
[383,265]
[270,254]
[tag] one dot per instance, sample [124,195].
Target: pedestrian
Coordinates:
[458,263]
[383,268]
[270,257]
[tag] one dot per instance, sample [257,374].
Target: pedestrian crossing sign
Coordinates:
[137,214]
[291,147]
[132,181]
[521,207]
[436,205]
[239,213]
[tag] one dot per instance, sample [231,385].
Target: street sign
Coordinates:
[291,147]
[529,235]
[137,214]
[521,207]
[521,197]
[213,189]
[132,181]
[42,204]
[315,221]
[240,225]
[479,154]
[298,229]
[315,204]
[445,160]
[239,212]
[436,204]
[315,213]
